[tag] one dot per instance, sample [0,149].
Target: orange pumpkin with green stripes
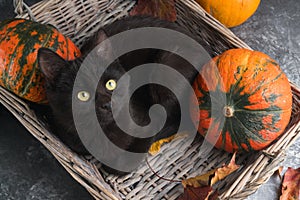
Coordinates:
[245,100]
[20,40]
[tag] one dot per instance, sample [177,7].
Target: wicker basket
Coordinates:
[79,19]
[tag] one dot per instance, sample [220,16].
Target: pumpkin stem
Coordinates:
[228,111]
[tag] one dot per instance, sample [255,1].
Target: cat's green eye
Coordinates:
[111,84]
[83,96]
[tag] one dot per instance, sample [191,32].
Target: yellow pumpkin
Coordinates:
[230,12]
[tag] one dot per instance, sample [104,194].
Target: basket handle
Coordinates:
[19,6]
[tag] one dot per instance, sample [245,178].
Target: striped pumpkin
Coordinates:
[244,98]
[20,40]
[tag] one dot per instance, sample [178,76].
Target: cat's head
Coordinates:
[60,76]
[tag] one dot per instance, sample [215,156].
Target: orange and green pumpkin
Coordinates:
[20,40]
[244,99]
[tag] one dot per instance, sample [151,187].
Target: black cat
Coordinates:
[60,76]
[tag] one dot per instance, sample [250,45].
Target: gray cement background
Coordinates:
[29,172]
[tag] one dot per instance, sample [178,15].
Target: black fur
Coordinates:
[60,76]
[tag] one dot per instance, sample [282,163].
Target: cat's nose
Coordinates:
[106,106]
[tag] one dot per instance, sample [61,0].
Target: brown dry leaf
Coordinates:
[156,146]
[163,9]
[212,176]
[224,171]
[201,193]
[291,185]
[200,187]
[199,181]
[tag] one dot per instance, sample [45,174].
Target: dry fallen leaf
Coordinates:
[163,9]
[199,181]
[201,193]
[156,146]
[291,185]
[200,187]
[212,176]
[224,171]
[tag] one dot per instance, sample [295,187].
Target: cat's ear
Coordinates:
[50,63]
[105,49]
[100,36]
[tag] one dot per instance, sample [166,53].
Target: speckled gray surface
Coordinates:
[29,172]
[275,30]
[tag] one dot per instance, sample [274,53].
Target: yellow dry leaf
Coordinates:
[199,181]
[156,146]
[224,171]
